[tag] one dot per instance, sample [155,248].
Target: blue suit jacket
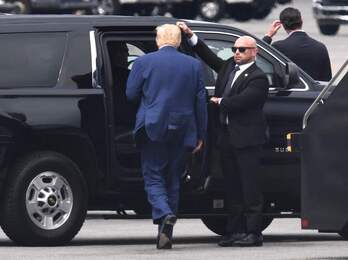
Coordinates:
[171,91]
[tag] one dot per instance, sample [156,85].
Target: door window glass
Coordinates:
[31,59]
[134,52]
[77,67]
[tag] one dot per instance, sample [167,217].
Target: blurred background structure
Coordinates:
[209,10]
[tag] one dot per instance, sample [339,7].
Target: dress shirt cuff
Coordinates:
[267,39]
[220,101]
[193,40]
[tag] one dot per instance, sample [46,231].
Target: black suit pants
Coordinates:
[241,169]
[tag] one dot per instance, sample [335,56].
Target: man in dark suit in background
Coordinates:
[171,119]
[240,93]
[307,53]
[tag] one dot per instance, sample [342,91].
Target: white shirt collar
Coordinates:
[167,45]
[245,66]
[294,31]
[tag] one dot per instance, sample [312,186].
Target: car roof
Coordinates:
[98,21]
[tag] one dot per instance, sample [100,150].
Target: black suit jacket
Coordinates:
[244,103]
[307,53]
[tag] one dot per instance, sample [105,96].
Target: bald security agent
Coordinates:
[240,94]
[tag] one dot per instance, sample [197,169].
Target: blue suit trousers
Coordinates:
[163,163]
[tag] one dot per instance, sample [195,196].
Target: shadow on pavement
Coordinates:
[191,240]
[206,239]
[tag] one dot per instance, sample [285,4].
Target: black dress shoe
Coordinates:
[250,240]
[164,237]
[228,240]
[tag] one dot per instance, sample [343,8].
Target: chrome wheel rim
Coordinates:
[210,9]
[105,7]
[49,200]
[21,8]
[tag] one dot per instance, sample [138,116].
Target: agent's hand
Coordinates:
[275,26]
[183,26]
[215,100]
[198,147]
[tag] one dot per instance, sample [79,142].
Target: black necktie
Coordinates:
[223,116]
[230,80]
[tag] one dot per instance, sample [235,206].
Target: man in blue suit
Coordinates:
[171,120]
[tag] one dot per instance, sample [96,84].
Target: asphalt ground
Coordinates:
[135,239]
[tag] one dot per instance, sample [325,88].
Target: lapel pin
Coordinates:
[246,75]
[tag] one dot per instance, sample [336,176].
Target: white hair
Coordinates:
[168,34]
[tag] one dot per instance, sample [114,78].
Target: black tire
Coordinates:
[211,10]
[128,9]
[241,12]
[184,10]
[49,211]
[218,224]
[145,10]
[262,13]
[328,29]
[266,222]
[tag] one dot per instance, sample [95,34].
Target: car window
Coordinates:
[134,52]
[223,50]
[31,59]
[77,68]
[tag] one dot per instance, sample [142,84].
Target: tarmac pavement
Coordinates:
[135,239]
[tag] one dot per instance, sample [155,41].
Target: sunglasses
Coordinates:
[241,49]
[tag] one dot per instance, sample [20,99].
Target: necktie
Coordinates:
[223,116]
[230,80]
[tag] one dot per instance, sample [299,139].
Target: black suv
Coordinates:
[330,14]
[66,141]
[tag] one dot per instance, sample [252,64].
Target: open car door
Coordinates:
[324,155]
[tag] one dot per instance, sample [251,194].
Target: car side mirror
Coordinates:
[291,77]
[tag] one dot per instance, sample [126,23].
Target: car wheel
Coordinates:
[211,10]
[262,13]
[266,221]
[328,29]
[218,224]
[46,200]
[107,7]
[241,12]
[22,7]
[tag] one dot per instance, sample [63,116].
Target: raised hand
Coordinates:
[183,26]
[275,26]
